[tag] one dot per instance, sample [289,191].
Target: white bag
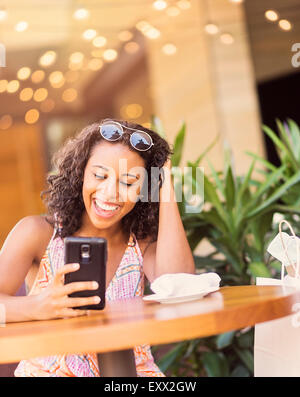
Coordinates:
[277,342]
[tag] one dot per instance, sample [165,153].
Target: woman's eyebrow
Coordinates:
[101,166]
[106,169]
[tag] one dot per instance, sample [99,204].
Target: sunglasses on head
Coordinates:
[112,131]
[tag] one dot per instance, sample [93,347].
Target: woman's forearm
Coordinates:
[16,308]
[173,252]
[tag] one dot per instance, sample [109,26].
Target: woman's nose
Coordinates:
[108,189]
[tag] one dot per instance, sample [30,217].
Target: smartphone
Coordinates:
[91,254]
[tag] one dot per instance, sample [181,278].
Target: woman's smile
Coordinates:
[104,210]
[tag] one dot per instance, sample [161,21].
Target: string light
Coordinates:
[3,14]
[40,94]
[211,28]
[26,94]
[159,5]
[13,86]
[148,30]
[81,13]
[169,49]
[3,85]
[131,111]
[284,24]
[76,57]
[99,41]
[6,122]
[95,64]
[110,55]
[226,38]
[69,95]
[23,73]
[48,58]
[38,76]
[271,15]
[57,79]
[32,116]
[125,35]
[131,47]
[89,34]
[21,26]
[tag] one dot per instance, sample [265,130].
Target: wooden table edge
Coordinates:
[148,331]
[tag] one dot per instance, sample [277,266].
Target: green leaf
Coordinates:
[178,146]
[229,189]
[289,149]
[276,140]
[276,195]
[266,163]
[295,137]
[244,186]
[168,359]
[225,339]
[215,220]
[246,339]
[215,364]
[259,269]
[271,179]
[240,371]
[211,195]
[156,125]
[247,357]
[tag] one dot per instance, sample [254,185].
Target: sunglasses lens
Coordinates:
[111,131]
[141,141]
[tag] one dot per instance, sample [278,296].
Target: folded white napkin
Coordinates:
[181,284]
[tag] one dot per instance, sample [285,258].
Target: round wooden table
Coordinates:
[114,331]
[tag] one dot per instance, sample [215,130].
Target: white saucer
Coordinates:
[176,299]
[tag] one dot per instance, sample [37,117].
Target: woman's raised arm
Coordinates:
[171,252]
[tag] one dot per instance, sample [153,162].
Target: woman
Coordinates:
[90,196]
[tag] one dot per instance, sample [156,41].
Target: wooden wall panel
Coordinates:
[22,175]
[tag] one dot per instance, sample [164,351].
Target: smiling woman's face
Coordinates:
[110,191]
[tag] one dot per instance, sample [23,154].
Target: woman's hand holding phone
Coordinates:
[54,302]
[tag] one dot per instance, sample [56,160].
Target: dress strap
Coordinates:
[132,240]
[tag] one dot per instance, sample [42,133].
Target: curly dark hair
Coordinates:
[63,198]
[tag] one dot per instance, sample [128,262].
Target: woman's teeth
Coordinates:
[106,207]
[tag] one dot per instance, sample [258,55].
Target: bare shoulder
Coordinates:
[22,251]
[35,223]
[35,231]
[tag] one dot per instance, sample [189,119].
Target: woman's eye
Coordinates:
[103,177]
[99,176]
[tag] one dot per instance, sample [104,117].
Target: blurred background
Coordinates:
[222,66]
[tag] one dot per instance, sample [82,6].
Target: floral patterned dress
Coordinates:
[128,282]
